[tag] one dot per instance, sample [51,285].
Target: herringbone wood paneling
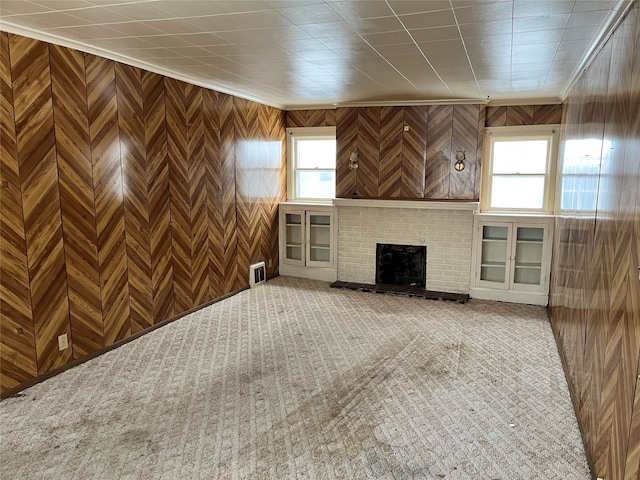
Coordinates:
[316,118]
[368,142]
[198,196]
[547,114]
[296,118]
[278,167]
[109,197]
[69,88]
[465,138]
[41,199]
[414,151]
[136,193]
[479,151]
[519,115]
[177,149]
[439,154]
[213,168]
[113,189]
[390,166]
[159,195]
[346,144]
[17,344]
[267,181]
[228,181]
[247,186]
[496,117]
[594,293]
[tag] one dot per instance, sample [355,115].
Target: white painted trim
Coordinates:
[415,204]
[530,298]
[314,273]
[517,102]
[83,47]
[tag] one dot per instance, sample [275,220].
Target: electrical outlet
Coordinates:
[63,343]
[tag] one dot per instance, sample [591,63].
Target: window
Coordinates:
[311,163]
[519,173]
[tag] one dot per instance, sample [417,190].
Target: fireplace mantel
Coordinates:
[415,204]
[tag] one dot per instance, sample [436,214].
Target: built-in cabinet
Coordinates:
[511,258]
[308,239]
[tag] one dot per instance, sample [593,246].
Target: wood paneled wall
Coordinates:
[516,115]
[127,198]
[409,152]
[595,290]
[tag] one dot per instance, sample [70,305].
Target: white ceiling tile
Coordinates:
[581,33]
[540,36]
[535,8]
[331,29]
[61,19]
[397,49]
[435,34]
[253,46]
[590,5]
[141,11]
[402,7]
[18,7]
[545,22]
[361,9]
[62,4]
[239,21]
[587,19]
[376,25]
[174,26]
[99,15]
[126,42]
[484,12]
[202,39]
[135,29]
[486,29]
[317,13]
[429,19]
[100,32]
[389,38]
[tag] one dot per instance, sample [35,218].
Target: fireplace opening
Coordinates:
[401,265]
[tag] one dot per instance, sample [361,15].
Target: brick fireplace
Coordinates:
[445,228]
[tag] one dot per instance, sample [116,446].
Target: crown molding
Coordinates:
[83,47]
[616,16]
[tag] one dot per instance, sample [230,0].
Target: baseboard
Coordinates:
[530,298]
[92,355]
[314,273]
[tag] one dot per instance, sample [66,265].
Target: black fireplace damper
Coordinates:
[401,265]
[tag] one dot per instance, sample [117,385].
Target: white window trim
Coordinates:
[302,132]
[524,132]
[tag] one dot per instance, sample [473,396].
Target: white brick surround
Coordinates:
[446,233]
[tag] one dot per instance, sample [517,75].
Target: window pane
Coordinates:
[510,191]
[316,184]
[529,156]
[316,153]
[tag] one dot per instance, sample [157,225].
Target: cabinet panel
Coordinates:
[308,241]
[319,235]
[294,238]
[511,261]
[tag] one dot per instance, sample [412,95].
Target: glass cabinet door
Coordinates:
[528,257]
[294,241]
[319,233]
[495,252]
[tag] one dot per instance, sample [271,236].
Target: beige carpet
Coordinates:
[294,380]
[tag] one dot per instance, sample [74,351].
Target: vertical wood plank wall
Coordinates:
[120,191]
[417,163]
[595,290]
